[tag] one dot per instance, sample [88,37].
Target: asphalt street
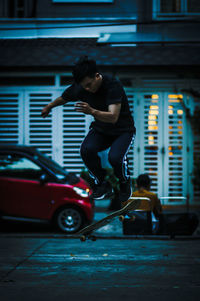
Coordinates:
[50,266]
[108,269]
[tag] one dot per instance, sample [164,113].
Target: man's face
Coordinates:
[92,84]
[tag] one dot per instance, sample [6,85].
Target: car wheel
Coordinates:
[69,220]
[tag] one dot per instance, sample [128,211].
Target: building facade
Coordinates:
[152,46]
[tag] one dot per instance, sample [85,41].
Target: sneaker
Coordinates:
[102,191]
[125,191]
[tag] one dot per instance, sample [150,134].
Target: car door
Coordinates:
[22,193]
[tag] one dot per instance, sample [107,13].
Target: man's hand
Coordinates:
[46,110]
[110,117]
[59,101]
[84,107]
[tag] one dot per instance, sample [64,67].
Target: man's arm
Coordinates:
[110,117]
[59,101]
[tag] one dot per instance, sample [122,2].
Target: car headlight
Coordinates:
[81,192]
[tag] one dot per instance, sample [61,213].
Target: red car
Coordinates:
[33,187]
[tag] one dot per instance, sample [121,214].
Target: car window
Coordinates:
[17,166]
[59,171]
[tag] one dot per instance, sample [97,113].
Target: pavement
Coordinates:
[44,265]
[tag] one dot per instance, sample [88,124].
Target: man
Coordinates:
[104,98]
[143,190]
[153,207]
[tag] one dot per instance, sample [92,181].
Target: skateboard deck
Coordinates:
[86,233]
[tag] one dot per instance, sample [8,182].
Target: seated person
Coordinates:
[143,190]
[153,206]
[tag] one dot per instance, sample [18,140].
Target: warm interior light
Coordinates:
[153,112]
[152,122]
[175,96]
[180,112]
[154,107]
[154,96]
[152,117]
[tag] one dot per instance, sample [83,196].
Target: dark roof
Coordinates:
[57,52]
[18,147]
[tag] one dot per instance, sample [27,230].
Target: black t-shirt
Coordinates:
[110,92]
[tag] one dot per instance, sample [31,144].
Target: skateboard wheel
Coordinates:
[83,238]
[132,218]
[93,238]
[121,218]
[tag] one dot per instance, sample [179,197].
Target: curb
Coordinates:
[121,237]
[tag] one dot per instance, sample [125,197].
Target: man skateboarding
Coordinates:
[104,98]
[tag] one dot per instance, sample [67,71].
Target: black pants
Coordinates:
[96,142]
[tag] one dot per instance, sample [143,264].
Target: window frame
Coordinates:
[182,14]
[16,10]
[22,155]
[83,1]
[38,160]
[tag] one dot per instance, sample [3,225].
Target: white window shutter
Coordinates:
[11,123]
[131,152]
[73,133]
[38,130]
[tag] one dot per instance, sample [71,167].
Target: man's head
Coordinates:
[143,181]
[86,74]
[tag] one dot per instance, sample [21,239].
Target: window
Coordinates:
[82,1]
[27,80]
[193,6]
[20,8]
[170,6]
[17,166]
[166,8]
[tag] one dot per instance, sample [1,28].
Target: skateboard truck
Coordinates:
[91,237]
[131,218]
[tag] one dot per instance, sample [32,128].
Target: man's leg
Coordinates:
[93,143]
[118,159]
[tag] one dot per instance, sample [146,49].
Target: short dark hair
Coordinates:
[143,180]
[84,67]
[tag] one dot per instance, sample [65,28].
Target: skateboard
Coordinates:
[86,233]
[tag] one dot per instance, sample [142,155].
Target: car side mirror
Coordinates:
[43,179]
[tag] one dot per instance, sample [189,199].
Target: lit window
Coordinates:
[153,128]
[154,96]
[153,112]
[152,117]
[152,122]
[151,140]
[180,112]
[153,107]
